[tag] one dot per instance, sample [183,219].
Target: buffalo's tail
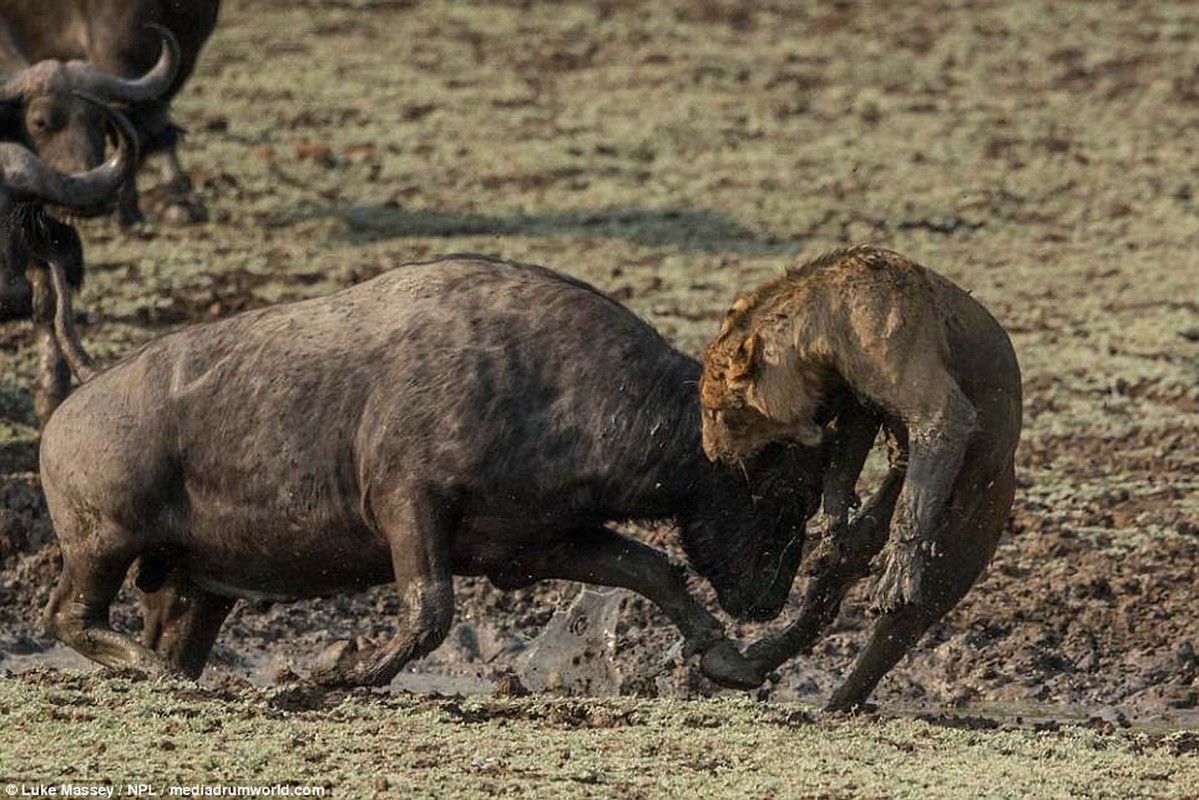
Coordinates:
[78,360]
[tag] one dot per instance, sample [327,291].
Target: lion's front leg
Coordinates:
[851,437]
[937,446]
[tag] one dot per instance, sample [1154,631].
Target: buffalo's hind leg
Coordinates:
[418,531]
[182,621]
[601,556]
[79,606]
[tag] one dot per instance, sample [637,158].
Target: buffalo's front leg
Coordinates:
[842,557]
[601,556]
[418,531]
[176,201]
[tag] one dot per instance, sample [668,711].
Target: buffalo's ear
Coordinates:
[12,121]
[747,358]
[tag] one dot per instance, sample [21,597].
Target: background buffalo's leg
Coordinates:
[129,211]
[16,296]
[182,621]
[78,610]
[171,171]
[418,531]
[842,557]
[965,543]
[174,200]
[598,555]
[53,380]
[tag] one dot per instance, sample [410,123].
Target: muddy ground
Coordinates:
[1042,155]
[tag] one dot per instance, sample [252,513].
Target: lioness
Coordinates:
[828,353]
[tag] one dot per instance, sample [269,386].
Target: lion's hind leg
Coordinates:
[966,540]
[840,560]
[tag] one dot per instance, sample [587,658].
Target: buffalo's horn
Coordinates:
[26,177]
[89,78]
[13,86]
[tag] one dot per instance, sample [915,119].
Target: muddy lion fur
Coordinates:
[829,353]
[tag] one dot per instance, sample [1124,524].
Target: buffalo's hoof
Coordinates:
[724,665]
[850,706]
[343,664]
[174,203]
[183,211]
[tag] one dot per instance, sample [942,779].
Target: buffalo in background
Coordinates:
[112,49]
[29,236]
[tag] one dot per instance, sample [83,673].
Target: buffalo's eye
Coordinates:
[42,120]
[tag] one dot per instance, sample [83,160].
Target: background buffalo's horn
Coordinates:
[27,177]
[153,84]
[13,86]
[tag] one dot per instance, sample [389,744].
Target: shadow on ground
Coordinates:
[684,229]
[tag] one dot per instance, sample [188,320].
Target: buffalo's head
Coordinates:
[27,183]
[745,533]
[41,107]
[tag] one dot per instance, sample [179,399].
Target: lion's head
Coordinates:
[756,389]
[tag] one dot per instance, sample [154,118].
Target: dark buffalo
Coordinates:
[458,417]
[30,237]
[113,47]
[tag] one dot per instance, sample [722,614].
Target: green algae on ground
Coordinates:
[72,727]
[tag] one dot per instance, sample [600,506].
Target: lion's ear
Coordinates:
[747,358]
[734,315]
